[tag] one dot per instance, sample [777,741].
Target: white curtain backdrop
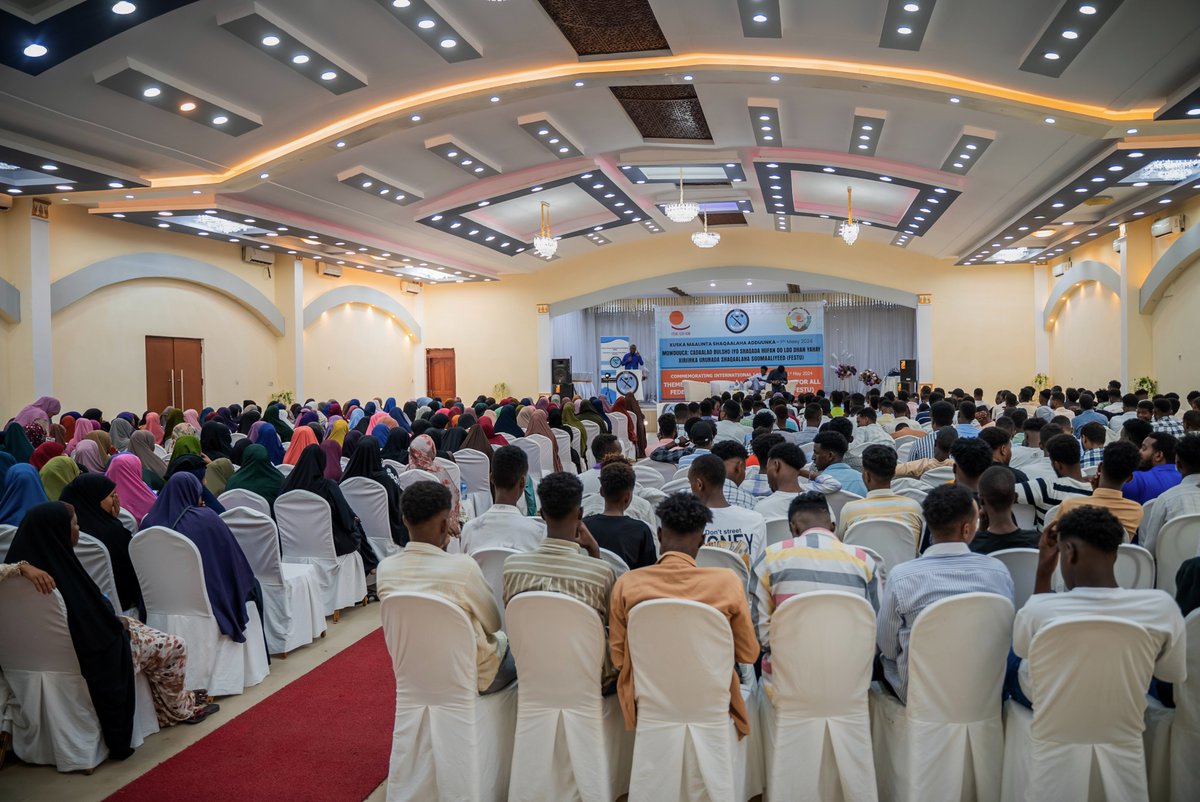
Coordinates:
[867,334]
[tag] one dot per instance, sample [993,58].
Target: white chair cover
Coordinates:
[451,468]
[95,559]
[570,742]
[6,536]
[408,478]
[1178,540]
[620,428]
[369,501]
[840,499]
[545,452]
[938,476]
[1025,515]
[648,476]
[284,468]
[676,485]
[161,451]
[1083,739]
[593,431]
[292,607]
[950,735]
[474,469]
[1134,568]
[1049,516]
[564,450]
[534,454]
[236,437]
[509,437]
[576,442]
[1022,566]
[172,578]
[888,537]
[1185,730]
[244,498]
[128,521]
[615,562]
[491,563]
[817,729]
[449,742]
[686,745]
[915,493]
[306,537]
[778,529]
[717,557]
[344,461]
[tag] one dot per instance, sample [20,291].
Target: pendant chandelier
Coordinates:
[544,244]
[849,228]
[682,211]
[706,238]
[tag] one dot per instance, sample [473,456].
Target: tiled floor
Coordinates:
[23,783]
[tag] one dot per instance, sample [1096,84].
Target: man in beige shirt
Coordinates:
[1116,468]
[941,456]
[425,567]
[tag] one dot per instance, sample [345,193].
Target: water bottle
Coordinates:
[463,514]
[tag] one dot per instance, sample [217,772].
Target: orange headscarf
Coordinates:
[302,437]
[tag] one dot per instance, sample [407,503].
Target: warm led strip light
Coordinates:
[775,64]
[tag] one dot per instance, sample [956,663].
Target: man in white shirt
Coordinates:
[785,467]
[601,446]
[742,531]
[1182,499]
[730,427]
[505,524]
[1084,543]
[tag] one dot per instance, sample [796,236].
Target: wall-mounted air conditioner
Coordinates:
[257,256]
[1167,225]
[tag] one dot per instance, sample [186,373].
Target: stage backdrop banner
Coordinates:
[729,343]
[614,380]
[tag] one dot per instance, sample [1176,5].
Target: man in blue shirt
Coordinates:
[829,448]
[1157,472]
[633,360]
[1087,414]
[966,425]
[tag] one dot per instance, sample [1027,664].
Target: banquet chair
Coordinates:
[476,472]
[938,476]
[306,536]
[411,477]
[1025,515]
[448,742]
[55,722]
[717,557]
[570,741]
[1070,747]
[815,718]
[171,574]
[95,559]
[888,537]
[1049,515]
[343,462]
[533,453]
[840,499]
[369,501]
[1022,567]
[950,734]
[620,428]
[648,477]
[593,431]
[676,485]
[576,441]
[615,562]
[1172,738]
[1134,568]
[239,497]
[451,468]
[686,745]
[491,563]
[564,450]
[778,530]
[1178,540]
[161,452]
[128,521]
[6,537]
[284,468]
[292,607]
[236,437]
[545,452]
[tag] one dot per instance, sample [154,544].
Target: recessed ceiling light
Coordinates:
[119,216]
[1050,56]
[1141,183]
[187,106]
[1137,154]
[339,144]
[885,178]
[328,75]
[1087,9]
[1165,200]
[264,175]
[35,50]
[1193,112]
[452,154]
[270,41]
[50,167]
[64,188]
[416,118]
[958,165]
[448,43]
[687,77]
[425,24]
[1070,35]
[1057,205]
[168,225]
[939,190]
[401,3]
[911,8]
[116,184]
[955,100]
[864,147]
[1138,213]
[827,169]
[1050,121]
[579,83]
[776,78]
[151,91]
[494,98]
[759,18]
[478,170]
[123,8]
[220,119]
[904,30]
[1098,179]
[300,58]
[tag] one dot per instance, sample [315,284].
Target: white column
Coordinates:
[39,306]
[545,383]
[420,379]
[1041,337]
[1126,300]
[924,339]
[297,310]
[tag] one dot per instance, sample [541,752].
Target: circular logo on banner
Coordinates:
[627,382]
[676,320]
[799,319]
[737,321]
[614,362]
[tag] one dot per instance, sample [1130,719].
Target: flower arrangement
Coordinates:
[1146,383]
[1041,380]
[845,371]
[285,397]
[870,378]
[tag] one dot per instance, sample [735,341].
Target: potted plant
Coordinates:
[500,390]
[285,397]
[1040,381]
[1146,383]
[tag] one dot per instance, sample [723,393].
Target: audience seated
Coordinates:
[997,527]
[614,530]
[833,474]
[1042,494]
[943,441]
[1156,473]
[972,456]
[941,415]
[759,485]
[742,531]
[602,445]
[730,427]
[734,455]
[784,468]
[504,524]
[1116,468]
[1182,499]
[1000,441]
[879,468]
[701,435]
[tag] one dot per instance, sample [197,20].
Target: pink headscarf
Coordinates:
[378,418]
[421,455]
[191,416]
[125,471]
[87,455]
[154,426]
[83,427]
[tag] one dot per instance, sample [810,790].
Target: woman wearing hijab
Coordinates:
[35,434]
[355,417]
[154,426]
[477,440]
[87,455]
[125,472]
[44,453]
[352,440]
[271,416]
[192,418]
[227,575]
[257,475]
[368,463]
[120,432]
[333,460]
[68,423]
[188,444]
[58,434]
[180,431]
[489,431]
[102,439]
[226,419]
[556,422]
[302,438]
[587,412]
[23,489]
[539,424]
[96,501]
[196,466]
[524,415]
[421,455]
[337,433]
[83,427]
[638,432]
[452,439]
[249,417]
[217,475]
[16,442]
[309,474]
[56,475]
[506,422]
[396,447]
[215,440]
[141,445]
[268,438]
[108,647]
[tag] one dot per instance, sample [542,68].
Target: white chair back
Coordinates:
[906,440]
[564,450]
[239,497]
[778,529]
[511,438]
[545,450]
[284,468]
[938,476]
[411,477]
[1178,540]
[369,501]
[891,539]
[717,557]
[38,638]
[491,563]
[305,526]
[258,536]
[395,466]
[1022,567]
[915,493]
[676,485]
[648,476]
[128,521]
[170,573]
[95,559]
[904,450]
[618,565]
[236,437]
[1025,515]
[534,454]
[161,452]
[1134,568]
[593,431]
[577,441]
[474,468]
[838,500]
[1049,516]
[344,461]
[451,468]
[6,537]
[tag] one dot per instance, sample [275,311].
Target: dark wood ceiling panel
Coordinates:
[664,111]
[604,27]
[726,219]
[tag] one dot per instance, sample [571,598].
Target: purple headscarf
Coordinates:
[333,459]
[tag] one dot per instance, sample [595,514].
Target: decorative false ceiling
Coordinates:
[603,27]
[664,112]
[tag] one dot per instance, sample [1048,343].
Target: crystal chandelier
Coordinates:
[682,211]
[706,238]
[545,245]
[849,228]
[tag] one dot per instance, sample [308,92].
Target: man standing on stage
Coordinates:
[633,361]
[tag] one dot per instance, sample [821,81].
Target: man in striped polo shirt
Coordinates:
[1042,494]
[813,559]
[879,468]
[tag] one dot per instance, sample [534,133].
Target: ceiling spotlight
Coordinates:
[759,18]
[425,24]
[578,83]
[50,167]
[187,105]
[1131,130]
[64,188]
[1070,35]
[687,77]
[494,98]
[270,40]
[1050,56]
[1088,9]
[912,8]
[1193,112]
[416,118]
[151,91]
[328,75]
[1050,121]
[116,184]
[35,50]
[448,43]
[264,176]
[776,78]
[401,3]
[123,8]
[904,30]
[1141,183]
[339,144]
[220,119]
[300,58]
[885,178]
[827,169]
[955,100]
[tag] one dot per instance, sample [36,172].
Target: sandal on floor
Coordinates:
[201,697]
[200,715]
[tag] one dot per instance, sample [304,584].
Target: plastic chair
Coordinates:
[816,720]
[95,559]
[369,501]
[1134,568]
[570,742]
[840,499]
[473,468]
[576,442]
[448,742]
[237,437]
[808,448]
[904,450]
[1083,739]
[545,452]
[717,557]
[6,537]
[57,723]
[618,565]
[891,539]
[1022,567]
[292,606]
[915,493]
[950,735]
[491,563]
[244,498]
[410,477]
[306,537]
[648,476]
[778,529]
[171,574]
[1178,540]
[534,454]
[682,654]
[1049,516]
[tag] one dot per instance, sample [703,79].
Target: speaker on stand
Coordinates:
[560,377]
[908,374]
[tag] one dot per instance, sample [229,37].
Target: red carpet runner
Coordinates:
[326,736]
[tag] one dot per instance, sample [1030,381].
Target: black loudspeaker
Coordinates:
[560,376]
[908,372]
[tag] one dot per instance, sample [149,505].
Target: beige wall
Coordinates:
[1085,338]
[1176,345]
[357,350]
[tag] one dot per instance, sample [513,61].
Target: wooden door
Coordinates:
[440,372]
[174,373]
[190,372]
